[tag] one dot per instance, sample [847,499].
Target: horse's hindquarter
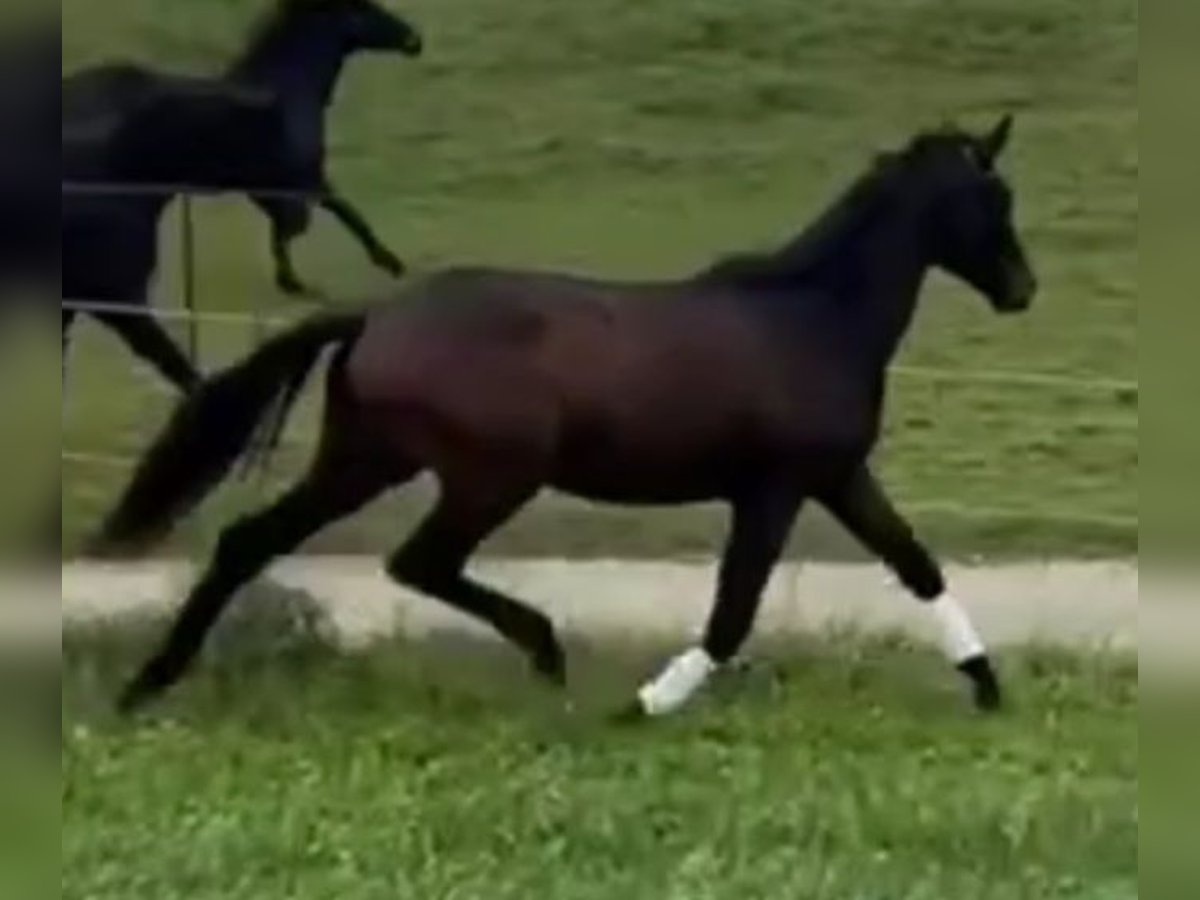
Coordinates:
[433,371]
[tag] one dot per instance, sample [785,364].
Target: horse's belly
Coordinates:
[701,449]
[642,484]
[656,460]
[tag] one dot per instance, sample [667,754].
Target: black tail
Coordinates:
[215,427]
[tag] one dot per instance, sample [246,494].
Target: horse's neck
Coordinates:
[302,71]
[874,281]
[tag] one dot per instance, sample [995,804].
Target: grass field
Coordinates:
[847,769]
[645,139]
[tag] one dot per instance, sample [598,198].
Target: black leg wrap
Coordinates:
[988,697]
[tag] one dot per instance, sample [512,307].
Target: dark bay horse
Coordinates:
[297,54]
[759,382]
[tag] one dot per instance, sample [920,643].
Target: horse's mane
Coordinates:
[275,24]
[854,208]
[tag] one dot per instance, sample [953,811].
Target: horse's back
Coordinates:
[104,91]
[524,311]
[103,97]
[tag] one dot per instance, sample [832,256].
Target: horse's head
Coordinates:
[362,25]
[971,215]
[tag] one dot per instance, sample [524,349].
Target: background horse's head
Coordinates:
[359,25]
[971,215]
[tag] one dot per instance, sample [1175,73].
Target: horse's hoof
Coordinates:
[293,287]
[133,700]
[986,686]
[549,660]
[141,691]
[552,669]
[989,700]
[390,263]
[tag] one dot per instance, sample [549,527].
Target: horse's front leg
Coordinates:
[762,521]
[354,221]
[289,220]
[865,510]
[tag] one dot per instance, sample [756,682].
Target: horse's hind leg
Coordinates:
[147,339]
[289,220]
[864,509]
[243,551]
[434,559]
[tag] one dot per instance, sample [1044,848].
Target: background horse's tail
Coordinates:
[215,427]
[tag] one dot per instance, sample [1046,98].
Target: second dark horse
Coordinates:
[759,382]
[296,56]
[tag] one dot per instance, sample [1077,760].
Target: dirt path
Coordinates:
[1082,605]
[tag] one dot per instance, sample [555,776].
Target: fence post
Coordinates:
[188,250]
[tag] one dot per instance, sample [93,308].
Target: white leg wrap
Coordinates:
[678,683]
[961,640]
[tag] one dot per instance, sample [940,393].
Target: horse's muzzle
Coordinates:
[413,45]
[1019,290]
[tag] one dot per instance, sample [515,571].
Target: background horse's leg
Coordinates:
[434,559]
[357,225]
[762,522]
[246,548]
[863,507]
[149,341]
[289,219]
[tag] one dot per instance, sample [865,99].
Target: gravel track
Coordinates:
[1089,606]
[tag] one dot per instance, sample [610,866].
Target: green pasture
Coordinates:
[644,139]
[639,139]
[836,769]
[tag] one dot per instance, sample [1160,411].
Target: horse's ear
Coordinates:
[992,145]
